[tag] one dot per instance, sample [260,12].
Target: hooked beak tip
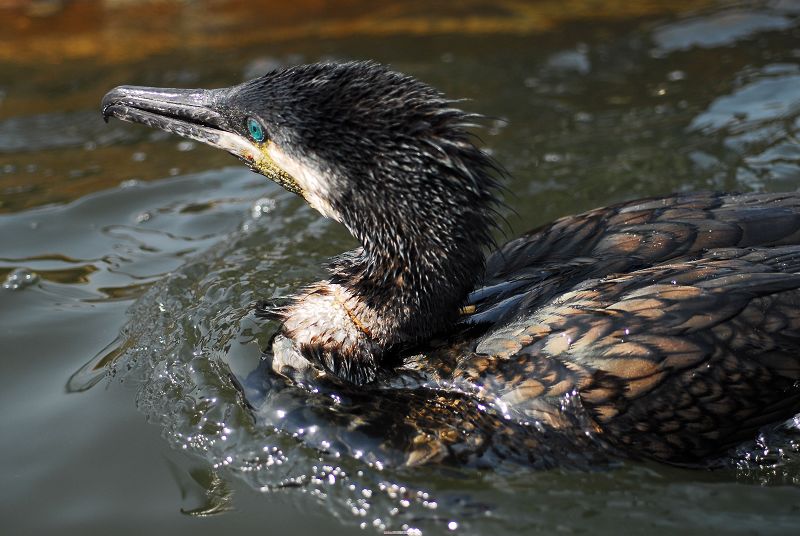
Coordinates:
[112,100]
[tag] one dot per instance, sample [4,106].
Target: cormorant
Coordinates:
[675,320]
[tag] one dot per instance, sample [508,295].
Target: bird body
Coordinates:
[674,321]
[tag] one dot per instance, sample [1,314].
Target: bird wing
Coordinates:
[527,272]
[651,231]
[679,359]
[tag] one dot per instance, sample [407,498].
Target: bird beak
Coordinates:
[194,114]
[190,113]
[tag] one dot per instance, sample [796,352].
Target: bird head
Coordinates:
[381,152]
[351,138]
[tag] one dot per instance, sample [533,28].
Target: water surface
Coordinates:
[130,260]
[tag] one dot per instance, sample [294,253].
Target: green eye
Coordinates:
[255,129]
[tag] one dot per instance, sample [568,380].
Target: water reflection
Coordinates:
[719,29]
[759,122]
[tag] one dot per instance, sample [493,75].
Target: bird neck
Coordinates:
[404,284]
[412,273]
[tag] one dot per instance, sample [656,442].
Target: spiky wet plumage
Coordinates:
[672,324]
[412,188]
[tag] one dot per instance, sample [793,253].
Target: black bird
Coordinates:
[674,321]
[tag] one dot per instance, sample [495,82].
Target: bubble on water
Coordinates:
[674,76]
[131,183]
[143,217]
[19,279]
[263,206]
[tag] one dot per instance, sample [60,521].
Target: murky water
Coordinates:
[130,260]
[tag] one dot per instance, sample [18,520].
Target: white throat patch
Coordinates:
[314,186]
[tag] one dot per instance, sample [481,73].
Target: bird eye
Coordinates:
[255,129]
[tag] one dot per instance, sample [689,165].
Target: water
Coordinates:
[129,260]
